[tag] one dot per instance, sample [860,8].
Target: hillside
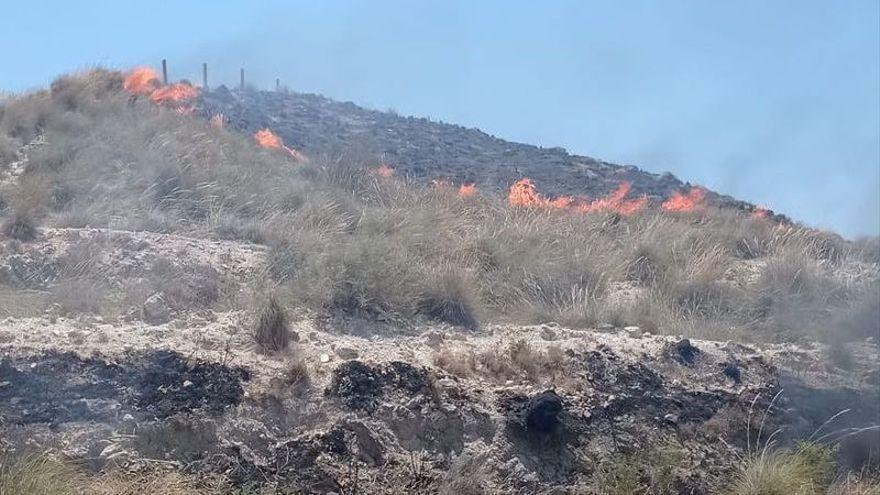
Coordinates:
[192,306]
[425,150]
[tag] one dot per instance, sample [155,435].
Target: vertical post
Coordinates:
[205,75]
[277,85]
[164,72]
[242,79]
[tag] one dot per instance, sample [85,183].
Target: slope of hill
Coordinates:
[191,310]
[426,150]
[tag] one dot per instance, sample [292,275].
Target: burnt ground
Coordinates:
[386,426]
[61,387]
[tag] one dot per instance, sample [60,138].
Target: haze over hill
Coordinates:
[769,102]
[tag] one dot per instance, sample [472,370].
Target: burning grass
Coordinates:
[345,235]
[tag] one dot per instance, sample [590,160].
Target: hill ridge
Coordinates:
[425,150]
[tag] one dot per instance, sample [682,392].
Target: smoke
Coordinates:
[779,116]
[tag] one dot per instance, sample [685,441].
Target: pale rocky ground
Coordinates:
[619,389]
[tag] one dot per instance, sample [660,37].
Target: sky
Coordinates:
[777,103]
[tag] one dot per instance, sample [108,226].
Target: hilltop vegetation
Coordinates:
[343,240]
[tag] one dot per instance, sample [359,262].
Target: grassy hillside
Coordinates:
[345,241]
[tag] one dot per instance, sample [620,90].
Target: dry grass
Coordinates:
[806,470]
[345,241]
[466,476]
[519,360]
[272,332]
[35,475]
[43,475]
[8,151]
[856,484]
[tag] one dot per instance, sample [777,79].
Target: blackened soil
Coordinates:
[361,386]
[62,387]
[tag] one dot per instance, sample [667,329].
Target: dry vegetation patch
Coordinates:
[344,240]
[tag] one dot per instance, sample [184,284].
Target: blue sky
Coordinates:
[774,102]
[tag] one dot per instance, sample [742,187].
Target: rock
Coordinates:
[632,330]
[671,418]
[325,358]
[605,327]
[346,353]
[155,310]
[547,333]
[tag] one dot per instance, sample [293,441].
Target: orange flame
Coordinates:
[692,201]
[269,139]
[761,212]
[384,170]
[141,80]
[524,193]
[145,81]
[617,202]
[467,190]
[174,93]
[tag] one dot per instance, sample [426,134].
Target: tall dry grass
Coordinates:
[342,240]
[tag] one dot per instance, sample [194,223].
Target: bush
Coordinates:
[804,471]
[272,333]
[8,151]
[21,226]
[450,296]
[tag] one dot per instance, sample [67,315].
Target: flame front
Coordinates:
[384,170]
[761,212]
[142,81]
[617,202]
[693,200]
[145,81]
[174,93]
[524,193]
[269,139]
[467,190]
